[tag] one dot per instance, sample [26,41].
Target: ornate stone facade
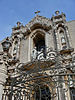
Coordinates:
[38,61]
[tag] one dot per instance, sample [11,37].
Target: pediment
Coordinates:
[39,21]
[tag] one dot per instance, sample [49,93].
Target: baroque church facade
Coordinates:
[38,61]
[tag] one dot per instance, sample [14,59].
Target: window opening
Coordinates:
[72,92]
[43,93]
[39,43]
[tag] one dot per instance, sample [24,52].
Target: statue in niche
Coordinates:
[34,53]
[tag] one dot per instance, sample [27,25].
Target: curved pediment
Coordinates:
[40,22]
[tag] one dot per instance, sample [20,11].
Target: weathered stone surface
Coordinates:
[71,29]
[45,35]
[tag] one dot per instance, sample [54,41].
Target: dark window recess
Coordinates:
[72,92]
[39,43]
[43,94]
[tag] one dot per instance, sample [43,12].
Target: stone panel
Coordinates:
[24,51]
[49,40]
[71,29]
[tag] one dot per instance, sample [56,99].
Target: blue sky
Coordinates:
[12,11]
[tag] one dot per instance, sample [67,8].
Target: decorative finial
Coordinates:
[18,23]
[57,12]
[37,12]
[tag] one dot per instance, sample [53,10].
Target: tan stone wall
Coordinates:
[49,40]
[71,29]
[24,51]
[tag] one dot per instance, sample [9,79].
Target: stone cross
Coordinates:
[37,12]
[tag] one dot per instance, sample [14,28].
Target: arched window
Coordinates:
[39,46]
[39,42]
[43,93]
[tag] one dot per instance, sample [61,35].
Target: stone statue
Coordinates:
[34,53]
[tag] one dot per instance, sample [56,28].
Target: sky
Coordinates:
[12,11]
